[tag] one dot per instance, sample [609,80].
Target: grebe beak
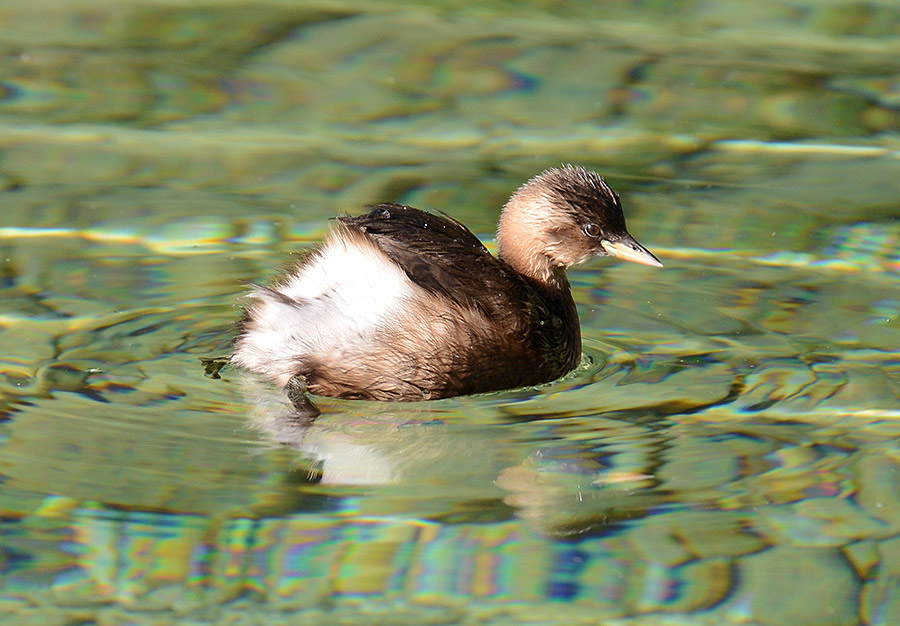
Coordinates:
[628,249]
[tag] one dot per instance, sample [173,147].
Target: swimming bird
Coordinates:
[400,304]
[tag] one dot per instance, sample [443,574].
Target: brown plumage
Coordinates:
[401,304]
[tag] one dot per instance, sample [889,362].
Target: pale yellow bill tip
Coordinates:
[628,249]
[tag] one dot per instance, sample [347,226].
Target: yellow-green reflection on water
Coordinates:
[726,453]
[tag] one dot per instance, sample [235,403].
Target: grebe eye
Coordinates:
[591,230]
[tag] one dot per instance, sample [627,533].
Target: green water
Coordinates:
[726,454]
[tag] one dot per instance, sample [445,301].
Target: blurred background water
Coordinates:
[726,454]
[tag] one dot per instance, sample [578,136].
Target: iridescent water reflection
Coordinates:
[726,453]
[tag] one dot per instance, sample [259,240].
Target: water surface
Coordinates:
[725,454]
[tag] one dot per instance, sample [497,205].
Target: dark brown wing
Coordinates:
[540,338]
[441,255]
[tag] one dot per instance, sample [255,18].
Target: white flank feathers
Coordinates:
[343,294]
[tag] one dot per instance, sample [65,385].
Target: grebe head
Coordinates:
[563,217]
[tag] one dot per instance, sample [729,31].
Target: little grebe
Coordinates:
[400,304]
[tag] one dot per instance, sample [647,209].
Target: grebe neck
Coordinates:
[520,243]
